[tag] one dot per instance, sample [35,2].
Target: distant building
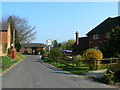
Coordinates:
[98,37]
[5,37]
[32,48]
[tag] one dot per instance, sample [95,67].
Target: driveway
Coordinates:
[30,73]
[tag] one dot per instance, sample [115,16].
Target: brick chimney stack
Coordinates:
[77,38]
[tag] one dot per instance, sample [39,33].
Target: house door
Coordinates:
[34,50]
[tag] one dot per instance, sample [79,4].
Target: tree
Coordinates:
[114,47]
[13,27]
[56,44]
[24,32]
[55,53]
[68,44]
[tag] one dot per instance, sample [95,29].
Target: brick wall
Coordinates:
[5,37]
[29,49]
[101,42]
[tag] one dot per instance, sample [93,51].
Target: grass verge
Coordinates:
[77,70]
[6,62]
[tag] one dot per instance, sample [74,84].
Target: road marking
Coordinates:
[37,83]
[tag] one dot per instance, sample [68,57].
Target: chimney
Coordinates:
[77,38]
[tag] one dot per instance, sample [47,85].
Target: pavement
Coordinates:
[96,74]
[34,73]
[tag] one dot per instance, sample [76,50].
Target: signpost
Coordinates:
[49,43]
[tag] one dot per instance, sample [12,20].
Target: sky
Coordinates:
[60,20]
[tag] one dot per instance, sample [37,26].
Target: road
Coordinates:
[32,74]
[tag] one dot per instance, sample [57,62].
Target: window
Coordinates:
[96,47]
[95,36]
[107,35]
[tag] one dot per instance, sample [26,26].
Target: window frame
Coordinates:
[108,35]
[95,36]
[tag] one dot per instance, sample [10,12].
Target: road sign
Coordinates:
[49,42]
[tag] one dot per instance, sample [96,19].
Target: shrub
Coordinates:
[90,56]
[9,51]
[113,73]
[55,53]
[77,59]
[4,49]
[25,52]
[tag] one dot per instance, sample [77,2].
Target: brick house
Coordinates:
[32,48]
[80,45]
[5,37]
[98,37]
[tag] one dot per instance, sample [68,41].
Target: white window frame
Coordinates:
[108,35]
[96,36]
[96,47]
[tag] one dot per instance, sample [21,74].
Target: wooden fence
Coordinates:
[74,63]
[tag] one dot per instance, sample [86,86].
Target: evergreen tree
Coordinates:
[114,47]
[13,27]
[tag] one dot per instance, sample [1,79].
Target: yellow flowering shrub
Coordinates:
[90,56]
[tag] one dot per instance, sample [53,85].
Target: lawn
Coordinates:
[72,67]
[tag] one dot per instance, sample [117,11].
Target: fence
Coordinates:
[64,61]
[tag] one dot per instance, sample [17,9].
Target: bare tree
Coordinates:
[25,32]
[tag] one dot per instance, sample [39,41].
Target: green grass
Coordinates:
[74,69]
[8,61]
[104,66]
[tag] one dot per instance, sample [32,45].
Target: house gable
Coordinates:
[106,26]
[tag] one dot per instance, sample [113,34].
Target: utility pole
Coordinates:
[14,38]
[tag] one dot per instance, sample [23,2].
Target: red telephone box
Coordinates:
[13,53]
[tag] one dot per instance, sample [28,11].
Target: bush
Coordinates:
[9,51]
[25,52]
[90,56]
[55,53]
[113,73]
[77,59]
[4,49]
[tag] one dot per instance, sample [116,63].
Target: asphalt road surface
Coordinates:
[30,73]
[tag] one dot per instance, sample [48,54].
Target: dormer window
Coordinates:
[107,35]
[95,36]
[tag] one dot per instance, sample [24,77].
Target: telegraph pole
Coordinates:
[14,38]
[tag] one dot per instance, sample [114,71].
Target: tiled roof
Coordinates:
[33,45]
[106,26]
[3,26]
